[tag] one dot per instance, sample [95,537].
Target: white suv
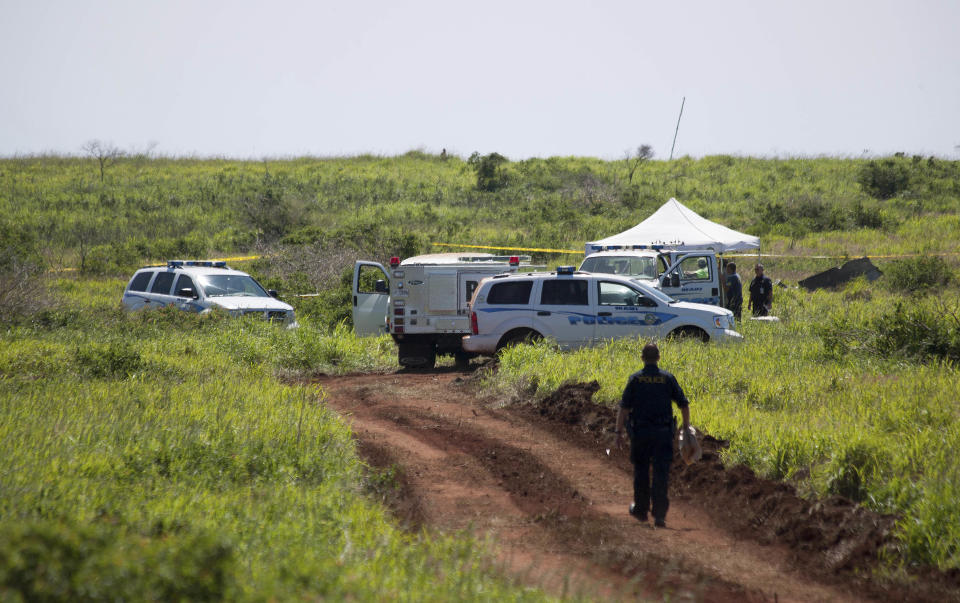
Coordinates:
[580,309]
[200,286]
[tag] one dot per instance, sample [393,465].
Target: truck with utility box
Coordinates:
[692,276]
[422,301]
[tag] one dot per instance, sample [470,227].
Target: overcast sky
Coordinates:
[282,78]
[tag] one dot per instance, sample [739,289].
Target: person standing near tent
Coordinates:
[647,398]
[733,289]
[761,292]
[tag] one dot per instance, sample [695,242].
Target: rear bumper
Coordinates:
[479,344]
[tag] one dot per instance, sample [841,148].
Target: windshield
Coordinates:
[637,267]
[656,294]
[230,285]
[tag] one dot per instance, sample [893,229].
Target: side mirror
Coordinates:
[380,286]
[273,293]
[187,292]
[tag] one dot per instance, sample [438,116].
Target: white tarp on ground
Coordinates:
[676,226]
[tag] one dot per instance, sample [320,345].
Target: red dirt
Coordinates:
[534,478]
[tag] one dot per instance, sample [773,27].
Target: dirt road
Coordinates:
[543,490]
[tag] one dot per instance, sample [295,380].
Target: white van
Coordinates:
[578,309]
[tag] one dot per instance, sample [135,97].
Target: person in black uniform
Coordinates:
[651,424]
[761,292]
[734,290]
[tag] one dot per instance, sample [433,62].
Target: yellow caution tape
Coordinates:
[510,248]
[736,255]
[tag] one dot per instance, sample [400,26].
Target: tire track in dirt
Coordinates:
[556,512]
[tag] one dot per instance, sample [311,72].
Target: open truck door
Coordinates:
[370,297]
[693,277]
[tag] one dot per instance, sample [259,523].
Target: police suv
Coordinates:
[578,309]
[200,286]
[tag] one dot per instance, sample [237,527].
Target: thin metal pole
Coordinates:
[678,127]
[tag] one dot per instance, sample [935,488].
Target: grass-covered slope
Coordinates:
[156,456]
[381,206]
[853,393]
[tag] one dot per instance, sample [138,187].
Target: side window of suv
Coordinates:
[161,285]
[516,292]
[184,282]
[617,294]
[564,292]
[141,280]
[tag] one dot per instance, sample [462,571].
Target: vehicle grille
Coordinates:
[271,315]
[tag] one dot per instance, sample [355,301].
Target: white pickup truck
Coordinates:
[422,301]
[690,276]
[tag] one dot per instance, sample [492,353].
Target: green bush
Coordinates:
[117,359]
[919,330]
[490,174]
[918,273]
[55,561]
[883,179]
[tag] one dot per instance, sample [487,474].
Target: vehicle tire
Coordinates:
[690,332]
[417,355]
[461,360]
[517,337]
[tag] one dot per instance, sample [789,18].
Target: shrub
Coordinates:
[23,291]
[917,330]
[490,175]
[116,359]
[54,561]
[918,273]
[884,179]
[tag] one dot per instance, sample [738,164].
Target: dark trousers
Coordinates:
[735,305]
[759,309]
[651,447]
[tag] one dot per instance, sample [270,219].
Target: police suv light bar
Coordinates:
[565,269]
[204,263]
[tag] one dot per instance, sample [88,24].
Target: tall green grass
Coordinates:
[158,456]
[382,206]
[880,429]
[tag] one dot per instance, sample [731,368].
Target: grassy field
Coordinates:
[158,457]
[173,441]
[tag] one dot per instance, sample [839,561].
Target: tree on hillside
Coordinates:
[105,153]
[884,179]
[490,174]
[643,153]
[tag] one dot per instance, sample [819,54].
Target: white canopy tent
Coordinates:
[678,227]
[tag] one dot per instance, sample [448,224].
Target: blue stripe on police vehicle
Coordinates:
[639,318]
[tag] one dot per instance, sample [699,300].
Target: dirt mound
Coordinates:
[833,533]
[572,403]
[832,537]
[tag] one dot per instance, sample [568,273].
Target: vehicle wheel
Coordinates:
[462,360]
[517,337]
[422,356]
[690,333]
